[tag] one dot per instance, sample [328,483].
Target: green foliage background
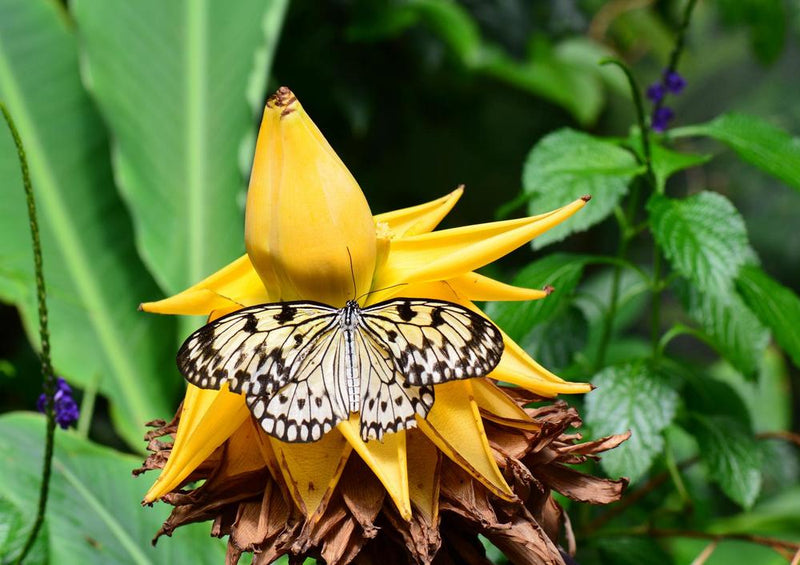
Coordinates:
[676,294]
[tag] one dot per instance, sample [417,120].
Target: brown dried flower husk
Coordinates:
[359,524]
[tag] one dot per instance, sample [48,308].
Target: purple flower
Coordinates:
[66,408]
[661,116]
[656,92]
[674,82]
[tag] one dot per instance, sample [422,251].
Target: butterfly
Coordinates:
[303,367]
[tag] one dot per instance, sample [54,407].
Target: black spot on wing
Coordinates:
[286,314]
[405,311]
[436,317]
[250,324]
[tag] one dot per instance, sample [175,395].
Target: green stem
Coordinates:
[49,384]
[655,316]
[675,475]
[87,406]
[675,331]
[644,130]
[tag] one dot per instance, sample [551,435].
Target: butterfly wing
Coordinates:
[434,341]
[313,399]
[288,359]
[387,403]
[254,349]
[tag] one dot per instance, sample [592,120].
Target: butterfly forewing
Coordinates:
[253,349]
[434,341]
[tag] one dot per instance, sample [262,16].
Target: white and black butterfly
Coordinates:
[305,366]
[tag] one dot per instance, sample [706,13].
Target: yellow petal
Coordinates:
[450,253]
[387,459]
[306,217]
[479,288]
[311,470]
[497,406]
[423,475]
[234,286]
[454,424]
[208,419]
[419,219]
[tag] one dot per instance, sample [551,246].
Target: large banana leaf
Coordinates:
[94,515]
[173,81]
[94,277]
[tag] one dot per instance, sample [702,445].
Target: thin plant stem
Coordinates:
[49,384]
[87,406]
[675,474]
[655,309]
[680,42]
[644,131]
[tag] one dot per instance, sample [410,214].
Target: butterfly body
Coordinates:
[303,367]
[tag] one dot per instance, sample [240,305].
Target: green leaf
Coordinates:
[621,550]
[555,342]
[94,278]
[734,331]
[775,305]
[560,270]
[94,513]
[178,83]
[667,162]
[631,397]
[766,20]
[14,534]
[703,236]
[568,164]
[758,142]
[732,456]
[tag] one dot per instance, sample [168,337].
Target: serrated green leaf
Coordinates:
[173,80]
[568,164]
[775,305]
[758,142]
[704,238]
[631,397]
[94,513]
[706,394]
[555,342]
[94,277]
[667,162]
[733,329]
[731,454]
[560,270]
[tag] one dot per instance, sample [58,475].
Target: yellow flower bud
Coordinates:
[306,216]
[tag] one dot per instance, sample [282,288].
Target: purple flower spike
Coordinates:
[66,408]
[674,82]
[661,118]
[656,92]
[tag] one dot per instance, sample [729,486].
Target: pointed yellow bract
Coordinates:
[419,219]
[387,459]
[311,471]
[309,233]
[455,426]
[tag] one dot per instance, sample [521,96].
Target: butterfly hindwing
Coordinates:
[387,403]
[314,398]
[434,341]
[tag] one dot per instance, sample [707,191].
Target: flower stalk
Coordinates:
[49,383]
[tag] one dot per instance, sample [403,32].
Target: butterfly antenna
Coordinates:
[379,290]
[352,273]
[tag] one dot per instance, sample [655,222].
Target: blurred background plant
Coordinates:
[675,292]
